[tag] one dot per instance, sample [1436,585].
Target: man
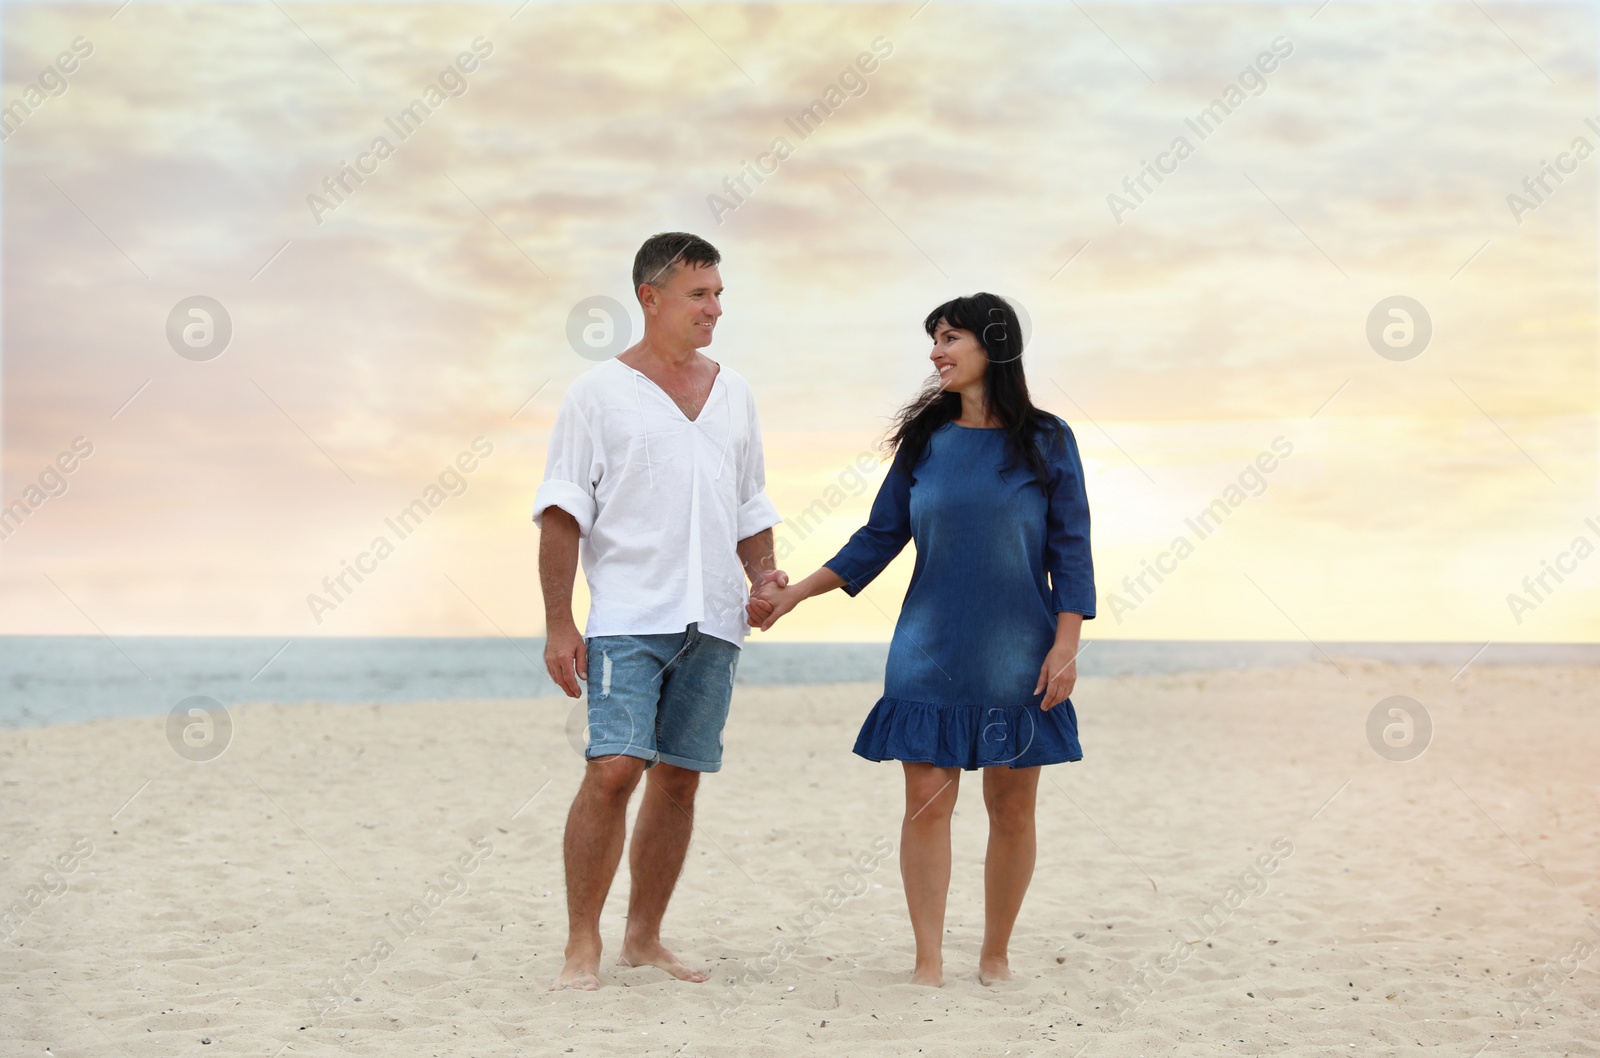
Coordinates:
[656,466]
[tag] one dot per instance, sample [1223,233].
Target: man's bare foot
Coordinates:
[993,969]
[928,973]
[654,953]
[582,970]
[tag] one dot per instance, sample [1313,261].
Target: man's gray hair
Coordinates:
[658,259]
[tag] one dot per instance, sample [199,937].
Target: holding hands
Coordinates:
[759,605]
[771,600]
[773,596]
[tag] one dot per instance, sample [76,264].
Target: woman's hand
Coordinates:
[757,607]
[778,601]
[775,596]
[1058,675]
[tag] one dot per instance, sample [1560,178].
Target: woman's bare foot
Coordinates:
[648,953]
[993,968]
[928,972]
[582,969]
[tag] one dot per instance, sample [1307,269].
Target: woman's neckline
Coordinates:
[952,422]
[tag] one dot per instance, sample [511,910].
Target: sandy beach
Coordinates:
[1233,868]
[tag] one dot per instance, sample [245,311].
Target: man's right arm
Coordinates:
[564,509]
[564,655]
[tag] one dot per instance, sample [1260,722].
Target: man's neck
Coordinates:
[656,353]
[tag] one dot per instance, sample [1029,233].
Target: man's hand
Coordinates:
[759,606]
[777,600]
[1058,675]
[566,659]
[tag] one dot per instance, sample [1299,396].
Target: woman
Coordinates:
[983,656]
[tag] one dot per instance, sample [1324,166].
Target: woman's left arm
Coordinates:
[1059,673]
[1071,567]
[1066,542]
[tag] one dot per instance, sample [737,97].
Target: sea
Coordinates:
[72,679]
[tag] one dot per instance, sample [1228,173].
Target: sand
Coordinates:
[1442,905]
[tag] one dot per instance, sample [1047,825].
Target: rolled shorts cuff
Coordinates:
[651,760]
[621,749]
[689,764]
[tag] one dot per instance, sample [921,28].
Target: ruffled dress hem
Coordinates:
[969,736]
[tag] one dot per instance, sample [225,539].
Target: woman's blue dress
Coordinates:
[980,614]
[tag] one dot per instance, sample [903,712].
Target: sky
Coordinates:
[1239,306]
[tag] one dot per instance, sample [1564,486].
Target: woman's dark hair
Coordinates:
[995,323]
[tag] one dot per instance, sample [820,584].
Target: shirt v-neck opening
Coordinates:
[715,380]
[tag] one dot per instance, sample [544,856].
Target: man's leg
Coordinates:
[660,843]
[696,689]
[625,674]
[592,848]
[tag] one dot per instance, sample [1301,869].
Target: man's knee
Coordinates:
[613,778]
[678,783]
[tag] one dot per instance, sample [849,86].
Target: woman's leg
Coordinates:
[925,862]
[1009,794]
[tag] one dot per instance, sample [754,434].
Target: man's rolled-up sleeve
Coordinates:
[756,511]
[573,467]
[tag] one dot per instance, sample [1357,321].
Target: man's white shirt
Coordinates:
[661,501]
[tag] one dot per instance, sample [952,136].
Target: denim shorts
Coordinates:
[660,697]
